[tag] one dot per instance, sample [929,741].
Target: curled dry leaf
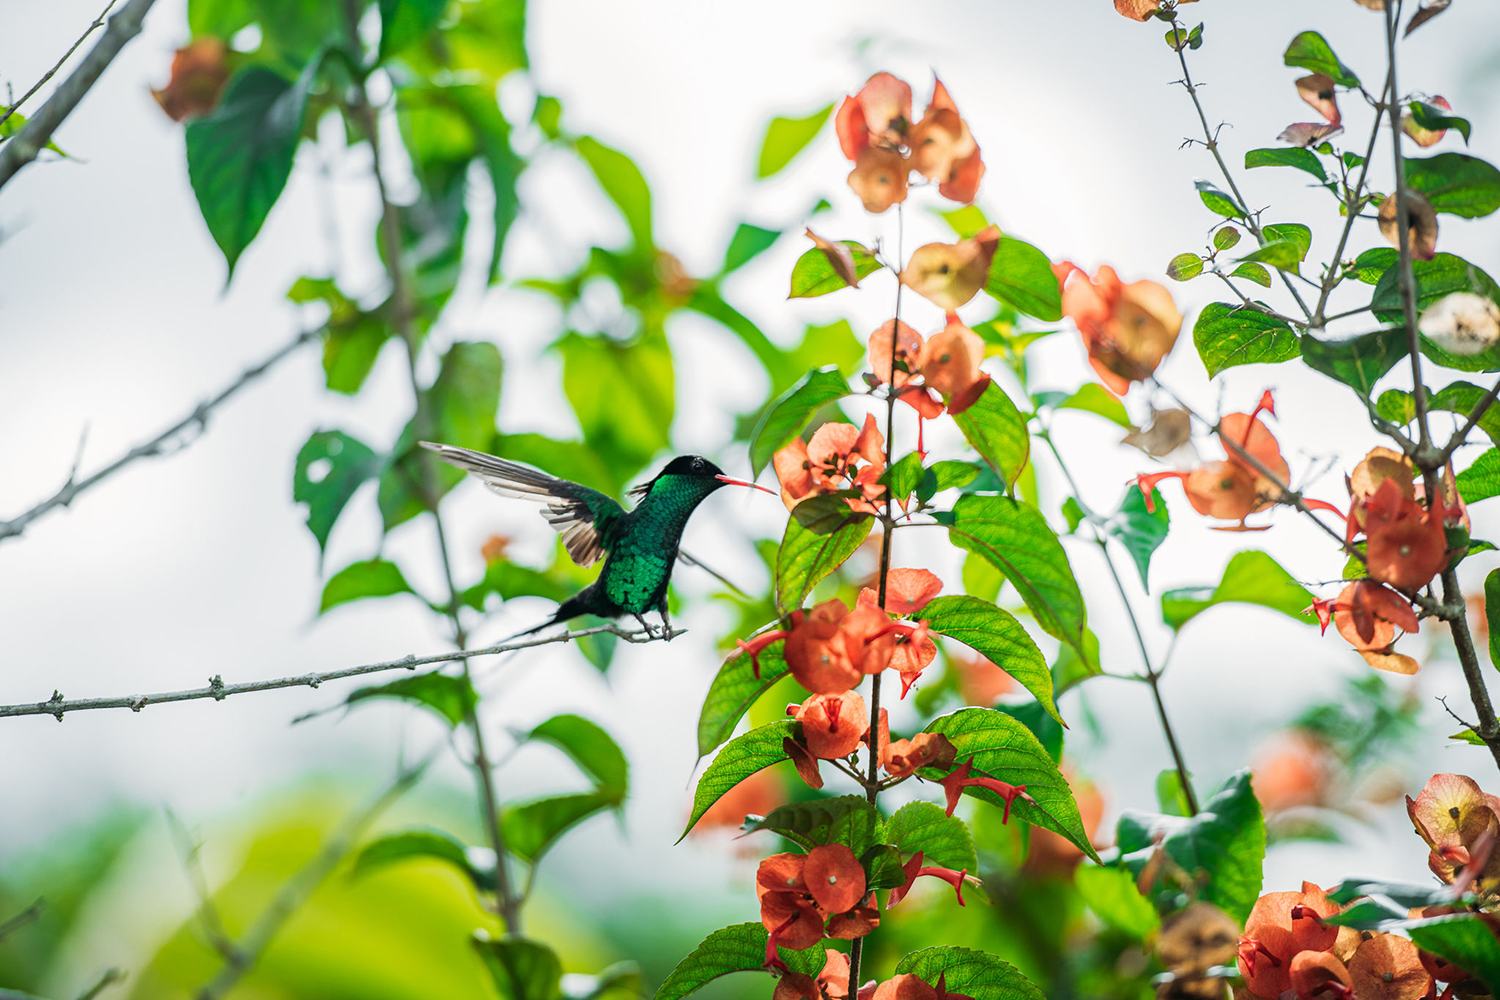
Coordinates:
[1309,133]
[1429,10]
[199,72]
[1168,431]
[1423,231]
[1317,90]
[839,258]
[1462,323]
[1137,10]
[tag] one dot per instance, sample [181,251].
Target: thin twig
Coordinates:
[192,863]
[110,978]
[21,919]
[24,146]
[97,23]
[57,705]
[1248,303]
[1475,415]
[155,446]
[300,887]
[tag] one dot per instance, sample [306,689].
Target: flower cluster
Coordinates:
[806,897]
[1459,823]
[1127,329]
[875,131]
[946,363]
[838,459]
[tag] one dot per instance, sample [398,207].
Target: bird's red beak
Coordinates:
[744,482]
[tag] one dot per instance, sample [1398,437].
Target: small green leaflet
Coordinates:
[1251,577]
[1227,336]
[1139,530]
[785,138]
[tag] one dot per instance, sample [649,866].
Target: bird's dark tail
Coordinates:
[578,604]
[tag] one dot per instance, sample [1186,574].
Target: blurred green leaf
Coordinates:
[996,635]
[1481,480]
[624,394]
[591,748]
[740,948]
[808,555]
[965,221]
[220,18]
[1492,614]
[740,758]
[1171,797]
[1091,397]
[1112,895]
[416,845]
[734,689]
[813,274]
[1434,118]
[785,138]
[997,430]
[1021,277]
[352,338]
[1251,577]
[1456,183]
[1294,156]
[1002,747]
[747,243]
[943,840]
[905,475]
[330,468]
[1139,530]
[845,819]
[623,182]
[1047,730]
[1217,201]
[1227,336]
[14,123]
[522,969]
[1370,265]
[451,697]
[1311,52]
[1295,233]
[882,865]
[371,578]
[1072,668]
[1184,267]
[507,580]
[403,22]
[1466,941]
[1462,397]
[531,828]
[970,973]
[788,413]
[945,475]
[1358,362]
[240,156]
[489,39]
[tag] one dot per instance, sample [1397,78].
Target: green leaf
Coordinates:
[240,156]
[808,555]
[15,122]
[734,689]
[1370,265]
[1226,238]
[1251,577]
[507,580]
[845,819]
[1481,480]
[1223,845]
[747,243]
[813,274]
[624,394]
[1437,278]
[945,475]
[1286,245]
[221,18]
[531,828]
[403,22]
[330,468]
[623,182]
[1140,531]
[371,578]
[1295,233]
[1016,539]
[1217,201]
[1358,362]
[591,748]
[943,840]
[882,865]
[1047,730]
[1227,336]
[740,948]
[417,845]
[1294,156]
[352,338]
[1464,940]
[451,697]
[786,415]
[1112,895]
[971,973]
[1171,797]
[1002,747]
[1437,119]
[785,138]
[1456,183]
[1091,397]
[1021,277]
[522,969]
[997,430]
[905,475]
[996,635]
[1311,52]
[1253,272]
[1492,614]
[1184,267]
[1462,397]
[740,758]
[965,222]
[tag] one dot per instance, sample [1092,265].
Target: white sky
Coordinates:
[112,317]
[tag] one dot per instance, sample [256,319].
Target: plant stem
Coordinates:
[1488,730]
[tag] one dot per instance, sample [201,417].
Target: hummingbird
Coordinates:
[639,546]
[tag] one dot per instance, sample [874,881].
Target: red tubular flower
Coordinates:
[833,725]
[960,778]
[914,870]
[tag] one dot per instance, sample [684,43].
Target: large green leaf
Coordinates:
[734,689]
[995,634]
[785,138]
[453,698]
[1112,894]
[1436,279]
[943,840]
[740,758]
[1015,538]
[1021,277]
[786,415]
[1251,577]
[1455,183]
[1466,941]
[1141,531]
[807,555]
[813,274]
[591,748]
[740,948]
[522,969]
[533,827]
[1358,362]
[1002,747]
[331,467]
[997,430]
[970,973]
[1461,398]
[623,182]
[1481,480]
[845,819]
[1310,51]
[1293,156]
[624,394]
[419,845]
[240,156]
[352,337]
[369,578]
[1226,336]
[403,22]
[1091,397]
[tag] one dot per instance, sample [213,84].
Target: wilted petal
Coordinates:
[1137,10]
[1309,133]
[879,178]
[840,258]
[199,72]
[962,184]
[1388,967]
[1317,90]
[1423,231]
[1168,431]
[1390,662]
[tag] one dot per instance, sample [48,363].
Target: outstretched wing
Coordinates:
[585,518]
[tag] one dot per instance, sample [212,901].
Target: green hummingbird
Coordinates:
[639,546]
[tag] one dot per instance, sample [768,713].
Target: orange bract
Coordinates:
[908,352]
[942,149]
[876,116]
[1407,544]
[1127,329]
[837,458]
[834,877]
[833,724]
[902,757]
[1388,967]
[1452,814]
[879,178]
[950,274]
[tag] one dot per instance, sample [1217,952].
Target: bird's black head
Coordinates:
[692,465]
[697,470]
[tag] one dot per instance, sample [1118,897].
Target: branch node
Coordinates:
[139,702]
[216,686]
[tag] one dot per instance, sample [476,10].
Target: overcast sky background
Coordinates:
[113,317]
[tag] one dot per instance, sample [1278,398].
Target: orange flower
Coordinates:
[495,547]
[942,149]
[756,795]
[796,891]
[907,591]
[831,984]
[1373,470]
[904,987]
[1316,975]
[950,274]
[199,72]
[834,877]
[901,758]
[908,354]
[1388,967]
[833,725]
[875,131]
[837,458]
[816,653]
[1280,925]
[950,364]
[879,178]
[1127,329]
[1293,770]
[877,116]
[1452,814]
[1407,545]
[1368,615]
[1137,10]
[980,681]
